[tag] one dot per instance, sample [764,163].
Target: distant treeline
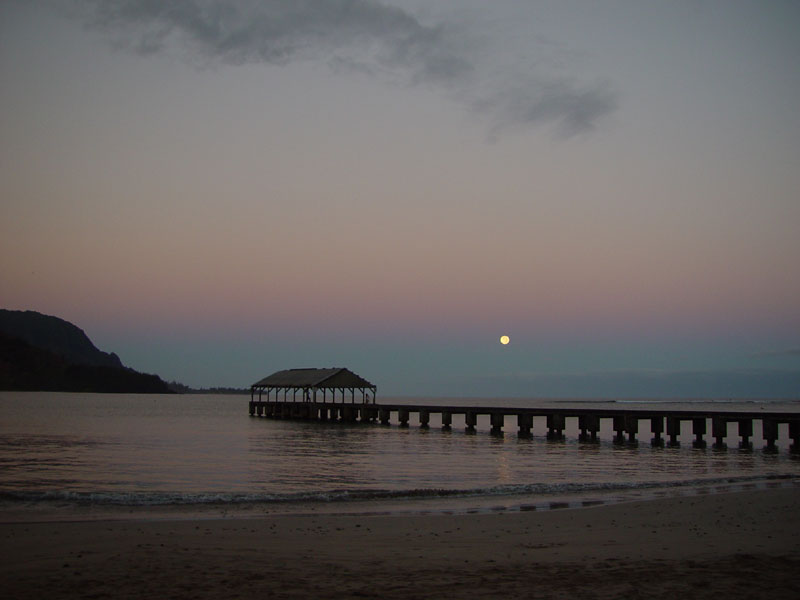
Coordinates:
[180,388]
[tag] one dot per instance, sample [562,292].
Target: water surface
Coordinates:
[120,450]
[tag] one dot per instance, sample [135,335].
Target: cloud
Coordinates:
[278,31]
[575,109]
[361,35]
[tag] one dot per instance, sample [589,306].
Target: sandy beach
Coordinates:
[742,544]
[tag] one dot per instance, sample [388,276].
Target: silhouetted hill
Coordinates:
[56,335]
[44,353]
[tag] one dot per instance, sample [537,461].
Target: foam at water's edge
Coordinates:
[132,499]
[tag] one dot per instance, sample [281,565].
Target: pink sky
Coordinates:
[652,204]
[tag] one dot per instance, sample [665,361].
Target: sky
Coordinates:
[219,189]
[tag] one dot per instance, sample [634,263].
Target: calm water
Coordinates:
[66,450]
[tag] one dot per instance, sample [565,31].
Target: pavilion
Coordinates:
[313,383]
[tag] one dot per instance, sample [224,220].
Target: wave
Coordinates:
[136,498]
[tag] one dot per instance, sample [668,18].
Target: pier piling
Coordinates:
[555,426]
[589,426]
[770,434]
[632,428]
[525,424]
[745,432]
[497,420]
[447,420]
[402,416]
[424,419]
[673,431]
[470,421]
[626,424]
[719,431]
[369,413]
[699,430]
[794,435]
[619,429]
[657,428]
[349,413]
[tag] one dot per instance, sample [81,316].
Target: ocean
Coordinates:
[97,455]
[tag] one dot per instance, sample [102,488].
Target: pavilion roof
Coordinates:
[314,378]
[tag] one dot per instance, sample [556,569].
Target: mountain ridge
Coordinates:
[46,353]
[57,336]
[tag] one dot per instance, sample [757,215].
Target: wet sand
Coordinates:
[744,544]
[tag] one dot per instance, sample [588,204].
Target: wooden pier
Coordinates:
[664,425]
[276,397]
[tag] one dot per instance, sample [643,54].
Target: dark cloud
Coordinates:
[279,31]
[361,35]
[575,109]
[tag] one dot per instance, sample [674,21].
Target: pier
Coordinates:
[340,395]
[665,426]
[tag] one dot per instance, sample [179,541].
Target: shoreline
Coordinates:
[744,543]
[65,511]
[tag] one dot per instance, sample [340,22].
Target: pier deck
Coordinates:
[664,424]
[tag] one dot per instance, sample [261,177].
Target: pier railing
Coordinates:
[664,424]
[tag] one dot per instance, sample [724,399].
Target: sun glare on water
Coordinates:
[504,339]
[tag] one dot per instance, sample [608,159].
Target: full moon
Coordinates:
[504,339]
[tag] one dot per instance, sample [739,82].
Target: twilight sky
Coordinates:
[216,190]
